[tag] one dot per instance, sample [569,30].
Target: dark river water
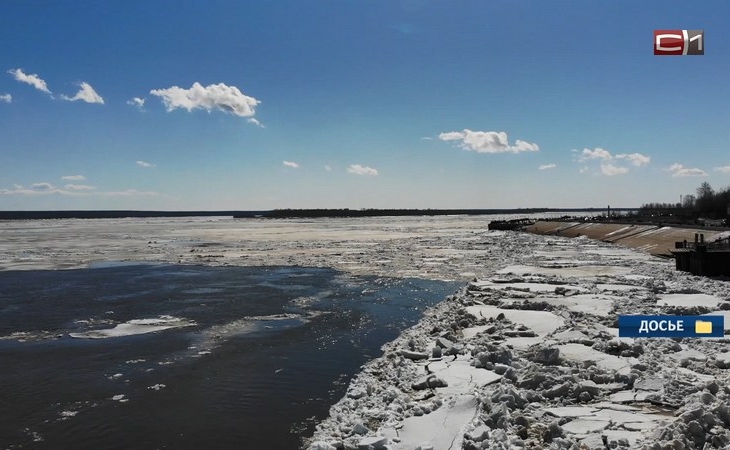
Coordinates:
[188,357]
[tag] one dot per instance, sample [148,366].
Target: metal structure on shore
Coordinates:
[514,224]
[703,258]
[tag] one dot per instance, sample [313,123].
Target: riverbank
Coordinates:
[651,238]
[527,356]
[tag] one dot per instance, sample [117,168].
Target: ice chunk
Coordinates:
[585,426]
[541,322]
[460,376]
[587,271]
[689,300]
[581,353]
[136,326]
[443,428]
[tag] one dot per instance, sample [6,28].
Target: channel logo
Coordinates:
[671,326]
[679,42]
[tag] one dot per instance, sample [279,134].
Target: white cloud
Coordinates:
[137,102]
[291,164]
[636,159]
[86,93]
[611,170]
[145,164]
[7,98]
[73,177]
[724,169]
[598,153]
[130,192]
[32,79]
[678,170]
[20,190]
[426,138]
[357,169]
[215,96]
[327,168]
[487,142]
[547,166]
[255,121]
[75,190]
[606,158]
[42,186]
[583,169]
[79,187]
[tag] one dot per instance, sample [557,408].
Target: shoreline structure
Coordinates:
[528,355]
[656,240]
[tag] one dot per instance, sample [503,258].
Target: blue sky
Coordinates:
[187,105]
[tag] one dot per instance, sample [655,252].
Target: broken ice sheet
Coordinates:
[541,322]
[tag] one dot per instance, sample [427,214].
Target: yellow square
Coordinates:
[703,327]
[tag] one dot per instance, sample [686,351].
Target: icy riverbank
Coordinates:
[527,356]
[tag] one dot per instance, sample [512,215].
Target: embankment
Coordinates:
[653,239]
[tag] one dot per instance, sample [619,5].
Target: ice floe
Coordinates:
[134,327]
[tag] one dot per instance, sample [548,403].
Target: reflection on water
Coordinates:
[262,352]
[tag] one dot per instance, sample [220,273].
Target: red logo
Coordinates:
[679,42]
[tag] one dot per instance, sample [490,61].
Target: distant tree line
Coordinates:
[371,212]
[707,204]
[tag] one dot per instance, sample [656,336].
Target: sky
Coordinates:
[242,105]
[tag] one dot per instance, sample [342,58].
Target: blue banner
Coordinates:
[671,326]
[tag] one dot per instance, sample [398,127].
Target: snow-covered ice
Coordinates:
[134,327]
[528,356]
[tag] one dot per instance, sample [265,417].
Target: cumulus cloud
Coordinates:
[547,166]
[145,164]
[724,169]
[137,102]
[86,93]
[678,170]
[79,187]
[597,153]
[608,161]
[358,169]
[291,164]
[32,79]
[214,96]
[255,121]
[7,98]
[583,169]
[636,159]
[328,168]
[487,142]
[611,170]
[73,177]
